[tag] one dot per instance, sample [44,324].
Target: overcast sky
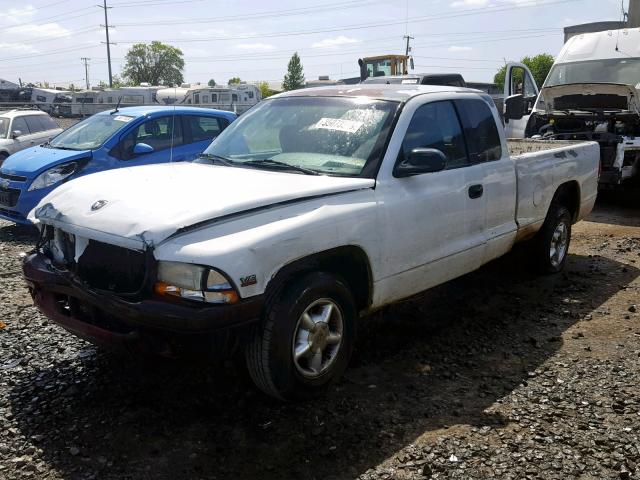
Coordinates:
[44,40]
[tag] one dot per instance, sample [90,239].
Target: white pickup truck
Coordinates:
[313,208]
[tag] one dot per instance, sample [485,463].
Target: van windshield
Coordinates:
[609,70]
[90,133]
[4,127]
[321,135]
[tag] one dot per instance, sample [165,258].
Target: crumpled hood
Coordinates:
[577,96]
[32,161]
[142,206]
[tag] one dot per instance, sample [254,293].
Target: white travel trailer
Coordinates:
[234,98]
[50,100]
[88,102]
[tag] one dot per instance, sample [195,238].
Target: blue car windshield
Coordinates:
[4,127]
[90,133]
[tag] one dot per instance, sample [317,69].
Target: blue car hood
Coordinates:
[32,161]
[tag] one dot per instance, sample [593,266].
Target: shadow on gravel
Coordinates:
[12,233]
[617,208]
[427,364]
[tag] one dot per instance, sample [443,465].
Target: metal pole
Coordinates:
[106,29]
[86,71]
[634,14]
[408,49]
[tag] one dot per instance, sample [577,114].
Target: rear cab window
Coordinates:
[481,131]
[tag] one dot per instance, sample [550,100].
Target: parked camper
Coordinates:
[89,102]
[236,98]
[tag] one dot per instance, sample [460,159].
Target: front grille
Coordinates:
[108,267]
[13,178]
[9,196]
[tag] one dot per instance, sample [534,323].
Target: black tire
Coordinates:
[269,354]
[3,157]
[543,260]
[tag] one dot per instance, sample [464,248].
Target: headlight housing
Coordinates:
[194,282]
[53,175]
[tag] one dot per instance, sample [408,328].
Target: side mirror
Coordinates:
[142,148]
[421,160]
[514,107]
[15,134]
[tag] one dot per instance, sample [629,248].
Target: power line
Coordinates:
[526,4]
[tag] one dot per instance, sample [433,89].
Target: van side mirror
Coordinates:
[421,160]
[142,148]
[514,107]
[15,134]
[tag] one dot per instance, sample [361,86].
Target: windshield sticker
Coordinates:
[122,118]
[338,124]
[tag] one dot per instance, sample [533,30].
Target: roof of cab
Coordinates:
[147,110]
[393,92]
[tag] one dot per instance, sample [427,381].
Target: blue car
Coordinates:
[111,139]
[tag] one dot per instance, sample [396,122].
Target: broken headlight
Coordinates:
[194,282]
[53,175]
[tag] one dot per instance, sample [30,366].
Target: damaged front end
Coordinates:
[604,113]
[105,294]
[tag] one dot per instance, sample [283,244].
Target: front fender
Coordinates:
[262,244]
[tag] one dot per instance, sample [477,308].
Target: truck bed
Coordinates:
[518,147]
[541,166]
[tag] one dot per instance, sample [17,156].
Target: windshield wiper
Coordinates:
[268,162]
[217,159]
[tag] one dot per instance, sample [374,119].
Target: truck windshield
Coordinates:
[609,70]
[4,127]
[325,135]
[90,133]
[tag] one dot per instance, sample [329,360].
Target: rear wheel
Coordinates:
[550,247]
[305,339]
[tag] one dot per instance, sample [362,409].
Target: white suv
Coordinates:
[20,129]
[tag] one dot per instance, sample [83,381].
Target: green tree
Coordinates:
[538,64]
[294,79]
[116,81]
[265,91]
[211,82]
[234,81]
[155,63]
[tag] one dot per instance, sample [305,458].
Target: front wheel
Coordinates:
[305,339]
[551,245]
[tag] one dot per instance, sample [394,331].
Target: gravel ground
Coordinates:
[66,122]
[499,374]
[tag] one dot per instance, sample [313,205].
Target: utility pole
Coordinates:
[86,70]
[106,29]
[408,49]
[633,14]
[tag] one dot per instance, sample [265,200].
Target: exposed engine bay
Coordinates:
[605,113]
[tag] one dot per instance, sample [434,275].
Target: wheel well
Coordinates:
[351,263]
[568,195]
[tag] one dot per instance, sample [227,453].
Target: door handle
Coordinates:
[476,191]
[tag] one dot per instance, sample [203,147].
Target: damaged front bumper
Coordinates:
[147,325]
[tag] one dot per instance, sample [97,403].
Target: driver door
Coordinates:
[519,81]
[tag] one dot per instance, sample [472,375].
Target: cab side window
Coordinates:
[34,124]
[20,124]
[481,132]
[160,133]
[436,125]
[205,128]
